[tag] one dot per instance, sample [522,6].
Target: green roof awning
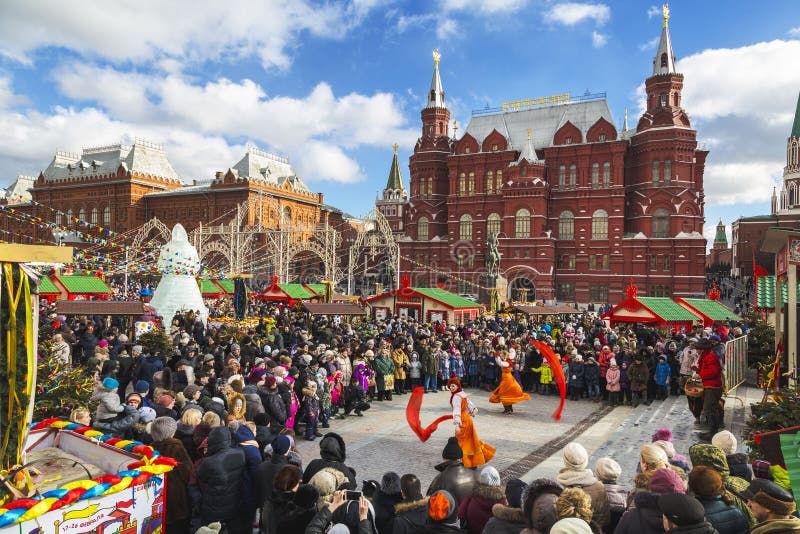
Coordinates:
[668,309]
[225,284]
[319,289]
[445,297]
[296,291]
[712,309]
[46,287]
[765,292]
[208,287]
[84,284]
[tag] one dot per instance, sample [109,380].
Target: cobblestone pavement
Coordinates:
[382,441]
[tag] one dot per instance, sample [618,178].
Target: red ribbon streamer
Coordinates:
[412,415]
[558,373]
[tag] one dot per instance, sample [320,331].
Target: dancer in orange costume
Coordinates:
[508,391]
[476,452]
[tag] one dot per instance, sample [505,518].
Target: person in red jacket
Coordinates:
[710,371]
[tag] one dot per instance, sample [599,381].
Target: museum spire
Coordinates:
[436,93]
[395,182]
[664,62]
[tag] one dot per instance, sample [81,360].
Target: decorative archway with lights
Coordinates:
[374,240]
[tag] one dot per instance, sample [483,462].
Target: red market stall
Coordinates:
[425,304]
[80,287]
[290,293]
[48,290]
[710,310]
[655,311]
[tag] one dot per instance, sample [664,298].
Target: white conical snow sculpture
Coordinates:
[178,263]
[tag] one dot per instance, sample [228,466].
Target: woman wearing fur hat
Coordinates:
[539,505]
[508,519]
[476,510]
[576,503]
[177,504]
[476,453]
[508,392]
[574,474]
[237,405]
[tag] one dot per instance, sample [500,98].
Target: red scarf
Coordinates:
[453,394]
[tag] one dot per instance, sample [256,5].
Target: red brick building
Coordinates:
[579,206]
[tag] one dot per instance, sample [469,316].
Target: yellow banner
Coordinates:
[528,103]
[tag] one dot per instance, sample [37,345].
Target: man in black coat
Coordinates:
[219,476]
[453,476]
[333,453]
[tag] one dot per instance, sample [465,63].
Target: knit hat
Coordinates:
[163,428]
[575,456]
[146,414]
[452,451]
[514,489]
[726,441]
[165,400]
[664,434]
[208,358]
[612,362]
[607,469]
[270,382]
[705,482]
[123,338]
[489,476]
[390,483]
[142,386]
[110,383]
[234,347]
[666,480]
[442,507]
[136,348]
[571,525]
[102,343]
[667,446]
[682,510]
[578,358]
[190,391]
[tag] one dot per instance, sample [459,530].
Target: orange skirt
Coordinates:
[508,392]
[476,452]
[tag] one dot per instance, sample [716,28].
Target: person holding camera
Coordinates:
[347,511]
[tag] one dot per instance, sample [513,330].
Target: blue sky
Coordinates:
[334,85]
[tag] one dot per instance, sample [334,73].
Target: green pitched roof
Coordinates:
[208,286]
[721,237]
[765,292]
[796,125]
[84,284]
[296,291]
[46,286]
[395,178]
[445,297]
[668,309]
[227,285]
[319,289]
[712,309]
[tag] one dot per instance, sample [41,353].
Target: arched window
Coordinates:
[58,218]
[94,216]
[600,224]
[493,222]
[595,175]
[499,178]
[462,183]
[70,216]
[661,223]
[607,174]
[286,218]
[667,171]
[566,225]
[656,168]
[573,176]
[107,216]
[522,223]
[422,229]
[490,182]
[465,228]
[82,215]
[471,183]
[562,176]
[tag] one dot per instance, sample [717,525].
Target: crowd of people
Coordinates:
[229,404]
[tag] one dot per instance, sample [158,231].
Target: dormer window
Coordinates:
[467,150]
[494,148]
[523,170]
[601,138]
[664,60]
[568,140]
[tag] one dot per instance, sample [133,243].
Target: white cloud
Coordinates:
[404,22]
[649,45]
[653,11]
[188,30]
[740,182]
[194,121]
[599,40]
[446,29]
[572,13]
[794,32]
[484,6]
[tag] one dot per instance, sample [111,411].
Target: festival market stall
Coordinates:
[289,293]
[653,311]
[57,476]
[711,310]
[427,304]
[80,287]
[48,290]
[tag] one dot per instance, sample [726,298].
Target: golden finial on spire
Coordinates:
[437,56]
[529,134]
[455,124]
[395,147]
[665,12]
